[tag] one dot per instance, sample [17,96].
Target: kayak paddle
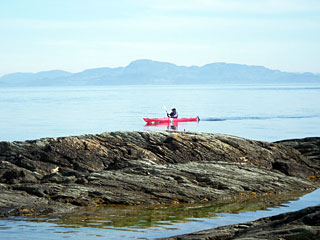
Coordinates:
[165,109]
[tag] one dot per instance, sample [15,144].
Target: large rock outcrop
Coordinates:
[61,174]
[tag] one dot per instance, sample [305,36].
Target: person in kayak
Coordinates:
[173,113]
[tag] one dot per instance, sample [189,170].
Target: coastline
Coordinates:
[59,175]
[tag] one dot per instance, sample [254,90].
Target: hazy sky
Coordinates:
[74,35]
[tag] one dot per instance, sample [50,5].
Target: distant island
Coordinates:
[143,72]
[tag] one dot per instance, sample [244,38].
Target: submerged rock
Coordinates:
[61,174]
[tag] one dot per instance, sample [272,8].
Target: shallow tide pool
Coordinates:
[150,222]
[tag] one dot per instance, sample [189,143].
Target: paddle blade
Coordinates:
[164,107]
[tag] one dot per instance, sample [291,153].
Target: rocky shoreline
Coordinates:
[303,224]
[57,175]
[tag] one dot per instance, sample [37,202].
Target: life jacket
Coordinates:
[174,114]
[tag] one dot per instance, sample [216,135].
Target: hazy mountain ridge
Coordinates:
[153,72]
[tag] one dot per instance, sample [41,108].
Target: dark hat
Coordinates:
[173,109]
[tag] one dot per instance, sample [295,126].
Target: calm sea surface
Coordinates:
[260,112]
[257,112]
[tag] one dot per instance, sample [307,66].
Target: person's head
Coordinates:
[173,109]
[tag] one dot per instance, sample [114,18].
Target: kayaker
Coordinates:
[173,113]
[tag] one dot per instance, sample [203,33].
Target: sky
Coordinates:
[74,35]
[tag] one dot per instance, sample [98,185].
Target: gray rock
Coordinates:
[62,174]
[303,224]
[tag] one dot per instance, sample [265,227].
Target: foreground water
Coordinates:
[261,112]
[151,222]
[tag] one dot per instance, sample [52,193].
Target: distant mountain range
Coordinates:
[153,72]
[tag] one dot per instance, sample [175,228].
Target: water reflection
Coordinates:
[163,216]
[163,126]
[151,222]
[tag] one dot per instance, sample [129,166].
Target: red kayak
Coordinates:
[170,120]
[160,124]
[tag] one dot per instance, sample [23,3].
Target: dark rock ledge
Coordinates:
[303,224]
[56,175]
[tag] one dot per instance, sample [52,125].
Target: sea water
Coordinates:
[260,112]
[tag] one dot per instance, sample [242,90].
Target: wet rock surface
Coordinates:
[62,174]
[303,224]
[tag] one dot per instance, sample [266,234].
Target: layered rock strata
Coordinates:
[61,174]
[303,224]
